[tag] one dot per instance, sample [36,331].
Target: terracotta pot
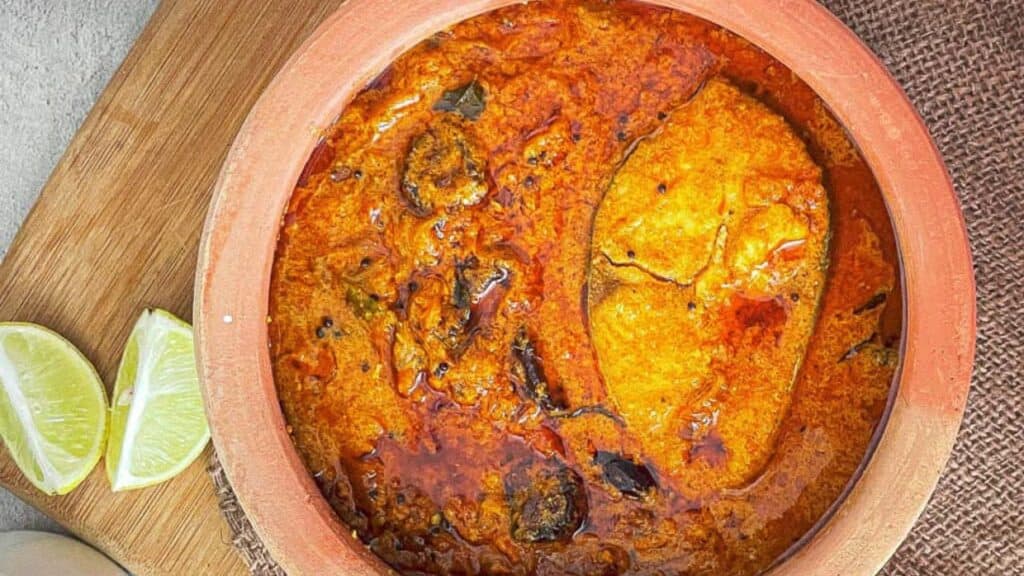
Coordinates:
[351,47]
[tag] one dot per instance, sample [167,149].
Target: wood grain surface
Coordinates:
[116,229]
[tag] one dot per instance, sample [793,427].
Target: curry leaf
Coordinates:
[468,100]
[632,479]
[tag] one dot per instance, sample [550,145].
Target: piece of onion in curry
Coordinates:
[584,288]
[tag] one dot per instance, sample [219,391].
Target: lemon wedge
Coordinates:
[53,409]
[157,423]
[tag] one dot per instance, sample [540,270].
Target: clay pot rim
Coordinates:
[236,255]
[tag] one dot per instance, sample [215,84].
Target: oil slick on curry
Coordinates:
[584,288]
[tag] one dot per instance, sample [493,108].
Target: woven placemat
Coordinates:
[962,64]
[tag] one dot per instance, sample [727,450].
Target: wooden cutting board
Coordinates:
[117,228]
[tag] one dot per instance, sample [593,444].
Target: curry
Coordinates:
[582,287]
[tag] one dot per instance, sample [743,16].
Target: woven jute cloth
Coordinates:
[962,64]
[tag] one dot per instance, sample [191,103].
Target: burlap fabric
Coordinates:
[962,64]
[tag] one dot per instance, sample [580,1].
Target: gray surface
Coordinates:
[55,58]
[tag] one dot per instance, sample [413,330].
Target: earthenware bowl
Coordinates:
[351,47]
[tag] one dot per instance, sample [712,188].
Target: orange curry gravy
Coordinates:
[584,288]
